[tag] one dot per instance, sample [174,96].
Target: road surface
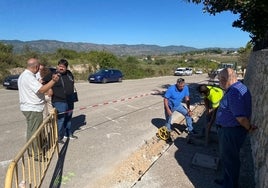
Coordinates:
[111,121]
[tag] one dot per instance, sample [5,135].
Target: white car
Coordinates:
[180,72]
[188,71]
[199,72]
[183,71]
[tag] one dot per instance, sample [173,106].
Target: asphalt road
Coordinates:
[111,120]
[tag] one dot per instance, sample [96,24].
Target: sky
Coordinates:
[153,22]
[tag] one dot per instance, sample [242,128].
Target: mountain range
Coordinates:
[51,46]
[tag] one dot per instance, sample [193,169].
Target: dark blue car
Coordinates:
[105,76]
[11,82]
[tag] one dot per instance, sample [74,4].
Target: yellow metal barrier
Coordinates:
[29,167]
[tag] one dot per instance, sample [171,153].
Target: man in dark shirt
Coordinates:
[62,100]
[233,120]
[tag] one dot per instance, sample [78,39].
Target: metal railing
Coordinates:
[29,167]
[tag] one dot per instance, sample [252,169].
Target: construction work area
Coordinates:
[119,147]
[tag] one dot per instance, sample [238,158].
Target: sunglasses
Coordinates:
[180,80]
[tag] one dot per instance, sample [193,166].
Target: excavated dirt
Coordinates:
[129,171]
[133,168]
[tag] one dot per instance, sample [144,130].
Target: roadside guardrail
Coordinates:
[29,167]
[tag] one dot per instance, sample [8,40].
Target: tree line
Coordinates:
[132,67]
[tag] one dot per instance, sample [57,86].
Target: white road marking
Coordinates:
[112,134]
[112,120]
[116,109]
[133,107]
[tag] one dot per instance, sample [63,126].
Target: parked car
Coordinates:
[183,71]
[188,71]
[106,75]
[198,72]
[11,81]
[180,72]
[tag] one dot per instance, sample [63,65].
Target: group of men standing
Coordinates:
[58,85]
[229,107]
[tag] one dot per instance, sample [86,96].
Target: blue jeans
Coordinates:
[64,119]
[230,143]
[181,109]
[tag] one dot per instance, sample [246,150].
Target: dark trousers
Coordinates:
[230,143]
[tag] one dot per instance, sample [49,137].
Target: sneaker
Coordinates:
[169,140]
[72,137]
[61,142]
[65,137]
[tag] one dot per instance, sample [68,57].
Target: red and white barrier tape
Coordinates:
[114,101]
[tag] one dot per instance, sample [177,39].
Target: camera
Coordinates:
[58,73]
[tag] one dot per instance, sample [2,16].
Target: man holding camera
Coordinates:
[62,100]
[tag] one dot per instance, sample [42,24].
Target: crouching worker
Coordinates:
[173,98]
[212,97]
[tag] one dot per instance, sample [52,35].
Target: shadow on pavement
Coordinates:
[165,86]
[188,147]
[57,175]
[158,122]
[202,177]
[78,121]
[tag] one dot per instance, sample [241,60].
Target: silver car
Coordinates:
[180,72]
[188,71]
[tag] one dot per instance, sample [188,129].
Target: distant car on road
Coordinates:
[199,72]
[105,76]
[183,71]
[188,71]
[11,81]
[180,72]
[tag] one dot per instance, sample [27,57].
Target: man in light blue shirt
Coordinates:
[173,98]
